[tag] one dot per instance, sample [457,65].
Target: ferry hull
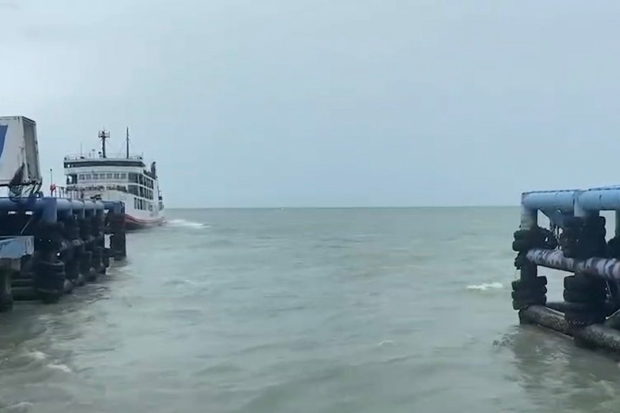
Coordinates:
[133,223]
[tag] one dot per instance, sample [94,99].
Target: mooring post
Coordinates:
[613,252]
[585,295]
[87,262]
[50,210]
[529,289]
[6,293]
[529,218]
[529,221]
[118,238]
[99,242]
[49,271]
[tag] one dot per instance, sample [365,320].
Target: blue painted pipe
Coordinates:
[52,208]
[76,204]
[600,199]
[607,268]
[550,200]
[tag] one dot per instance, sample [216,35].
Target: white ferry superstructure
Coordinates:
[124,179]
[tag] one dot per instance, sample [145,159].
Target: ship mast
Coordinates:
[127,142]
[103,135]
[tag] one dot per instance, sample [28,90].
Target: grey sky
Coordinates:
[325,102]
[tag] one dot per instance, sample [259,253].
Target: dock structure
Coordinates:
[49,246]
[576,242]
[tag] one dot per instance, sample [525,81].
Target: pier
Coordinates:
[576,242]
[48,245]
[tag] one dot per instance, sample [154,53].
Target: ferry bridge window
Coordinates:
[81,177]
[109,176]
[88,177]
[117,175]
[123,176]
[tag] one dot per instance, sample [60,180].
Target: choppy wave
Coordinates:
[40,356]
[486,286]
[17,407]
[37,355]
[183,223]
[61,367]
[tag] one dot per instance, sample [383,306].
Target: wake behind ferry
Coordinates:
[122,178]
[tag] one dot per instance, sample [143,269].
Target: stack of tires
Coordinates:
[86,259]
[537,237]
[118,239]
[106,257]
[585,298]
[530,291]
[584,237]
[71,258]
[49,271]
[50,280]
[613,248]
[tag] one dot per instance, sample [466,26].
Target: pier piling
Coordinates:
[576,243]
[49,246]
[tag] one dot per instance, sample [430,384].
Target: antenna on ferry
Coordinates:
[103,135]
[127,142]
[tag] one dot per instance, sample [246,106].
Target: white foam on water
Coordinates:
[486,286]
[183,281]
[61,367]
[18,407]
[37,355]
[183,223]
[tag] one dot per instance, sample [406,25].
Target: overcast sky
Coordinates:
[325,102]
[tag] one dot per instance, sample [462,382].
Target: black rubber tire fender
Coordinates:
[520,245]
[530,284]
[529,295]
[585,297]
[520,304]
[582,282]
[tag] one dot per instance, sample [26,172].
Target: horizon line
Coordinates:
[344,207]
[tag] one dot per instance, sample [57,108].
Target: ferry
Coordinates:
[119,178]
